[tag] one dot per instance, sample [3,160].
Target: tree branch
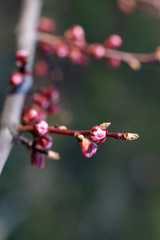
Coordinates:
[126,57]
[11,113]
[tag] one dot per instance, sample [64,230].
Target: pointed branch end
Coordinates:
[130,136]
[53,155]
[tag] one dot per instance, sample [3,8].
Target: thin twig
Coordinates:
[75,133]
[14,102]
[153,3]
[110,53]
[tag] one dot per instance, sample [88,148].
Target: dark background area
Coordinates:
[114,195]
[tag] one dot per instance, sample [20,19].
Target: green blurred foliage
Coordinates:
[115,194]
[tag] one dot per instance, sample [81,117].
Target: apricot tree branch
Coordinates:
[11,113]
[75,133]
[128,57]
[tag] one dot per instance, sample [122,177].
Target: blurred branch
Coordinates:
[134,60]
[14,102]
[151,7]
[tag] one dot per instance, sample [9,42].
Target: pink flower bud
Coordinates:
[97,50]
[113,41]
[22,56]
[16,79]
[61,49]
[53,109]
[98,134]
[76,32]
[50,93]
[77,57]
[33,114]
[56,74]
[38,160]
[113,62]
[127,6]
[40,100]
[41,128]
[41,68]
[88,147]
[30,116]
[46,25]
[44,142]
[46,48]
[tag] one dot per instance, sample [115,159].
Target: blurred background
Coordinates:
[115,194]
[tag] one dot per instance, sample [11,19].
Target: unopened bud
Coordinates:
[33,114]
[79,136]
[16,79]
[88,147]
[53,155]
[127,6]
[113,62]
[62,127]
[44,142]
[51,93]
[38,160]
[98,51]
[134,64]
[76,32]
[22,57]
[46,24]
[40,128]
[98,134]
[53,109]
[157,53]
[41,68]
[61,49]
[40,100]
[113,41]
[77,57]
[130,136]
[105,125]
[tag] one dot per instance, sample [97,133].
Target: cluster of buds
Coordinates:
[17,77]
[40,145]
[40,103]
[97,134]
[73,44]
[43,102]
[99,51]
[43,141]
